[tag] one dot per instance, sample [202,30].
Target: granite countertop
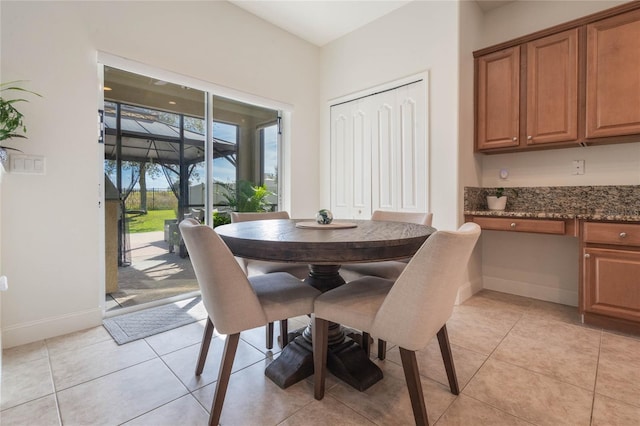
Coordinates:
[613,217]
[598,203]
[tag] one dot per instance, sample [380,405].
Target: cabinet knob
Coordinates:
[587,256]
[529,137]
[513,225]
[623,235]
[515,139]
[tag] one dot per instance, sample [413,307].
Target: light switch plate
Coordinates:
[27,164]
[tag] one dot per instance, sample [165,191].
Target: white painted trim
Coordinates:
[206,86]
[424,75]
[33,331]
[534,291]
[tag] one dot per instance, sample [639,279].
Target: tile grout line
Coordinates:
[522,315]
[100,376]
[53,384]
[189,391]
[595,381]
[536,372]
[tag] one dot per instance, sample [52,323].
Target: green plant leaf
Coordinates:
[11,120]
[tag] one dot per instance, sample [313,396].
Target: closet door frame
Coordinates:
[397,117]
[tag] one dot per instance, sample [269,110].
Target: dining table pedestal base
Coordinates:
[346,360]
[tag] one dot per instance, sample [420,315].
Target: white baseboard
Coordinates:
[519,288]
[20,334]
[467,290]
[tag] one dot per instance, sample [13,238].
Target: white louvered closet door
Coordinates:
[351,160]
[379,153]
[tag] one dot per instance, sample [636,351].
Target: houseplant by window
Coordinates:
[11,120]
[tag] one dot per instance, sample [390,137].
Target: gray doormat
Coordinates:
[147,322]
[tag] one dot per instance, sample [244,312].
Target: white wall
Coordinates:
[417,37]
[2,171]
[545,267]
[51,224]
[469,164]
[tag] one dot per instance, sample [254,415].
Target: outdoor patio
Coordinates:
[154,273]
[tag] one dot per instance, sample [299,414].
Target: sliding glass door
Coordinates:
[156,159]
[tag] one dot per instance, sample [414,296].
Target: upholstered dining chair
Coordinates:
[390,269]
[234,302]
[258,267]
[409,312]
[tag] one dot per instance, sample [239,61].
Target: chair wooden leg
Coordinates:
[366,343]
[447,357]
[412,376]
[382,349]
[204,346]
[269,336]
[230,346]
[320,336]
[284,333]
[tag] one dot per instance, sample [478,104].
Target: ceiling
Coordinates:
[322,21]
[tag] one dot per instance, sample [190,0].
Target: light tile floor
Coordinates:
[520,362]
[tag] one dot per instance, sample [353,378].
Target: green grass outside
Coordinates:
[150,222]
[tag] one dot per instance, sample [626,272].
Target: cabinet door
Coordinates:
[498,99]
[613,79]
[612,283]
[552,88]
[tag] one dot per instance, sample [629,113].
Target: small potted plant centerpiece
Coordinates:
[497,201]
[11,120]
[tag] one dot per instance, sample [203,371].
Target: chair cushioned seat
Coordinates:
[354,304]
[390,269]
[282,295]
[257,267]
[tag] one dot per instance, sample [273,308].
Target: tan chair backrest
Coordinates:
[249,216]
[409,217]
[227,295]
[246,217]
[421,300]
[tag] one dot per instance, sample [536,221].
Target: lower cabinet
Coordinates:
[609,265]
[610,293]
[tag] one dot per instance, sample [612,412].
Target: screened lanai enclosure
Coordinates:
[156,175]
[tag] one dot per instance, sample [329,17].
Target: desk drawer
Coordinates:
[623,234]
[522,225]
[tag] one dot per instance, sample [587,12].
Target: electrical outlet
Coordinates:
[578,167]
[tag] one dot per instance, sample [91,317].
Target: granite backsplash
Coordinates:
[576,200]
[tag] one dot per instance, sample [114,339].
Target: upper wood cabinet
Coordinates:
[498,99]
[552,89]
[546,96]
[575,83]
[613,76]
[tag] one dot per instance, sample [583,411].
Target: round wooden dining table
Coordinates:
[324,248]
